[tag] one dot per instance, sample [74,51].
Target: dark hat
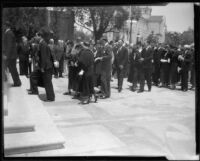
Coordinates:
[8,24]
[44,31]
[104,38]
[78,46]
[86,44]
[70,42]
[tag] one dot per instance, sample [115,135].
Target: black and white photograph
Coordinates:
[100,80]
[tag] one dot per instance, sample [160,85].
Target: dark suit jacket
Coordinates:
[45,56]
[59,52]
[97,64]
[157,57]
[187,60]
[106,61]
[23,52]
[86,61]
[134,61]
[147,54]
[10,47]
[121,57]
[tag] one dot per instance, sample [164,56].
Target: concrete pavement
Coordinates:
[156,123]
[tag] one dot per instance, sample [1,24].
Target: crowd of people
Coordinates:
[92,66]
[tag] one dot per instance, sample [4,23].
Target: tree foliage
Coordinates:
[187,37]
[153,38]
[25,20]
[80,34]
[175,38]
[100,20]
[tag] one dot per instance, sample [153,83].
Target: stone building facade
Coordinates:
[142,28]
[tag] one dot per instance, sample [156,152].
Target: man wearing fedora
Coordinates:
[10,53]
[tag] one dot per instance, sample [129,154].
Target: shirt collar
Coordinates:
[7,30]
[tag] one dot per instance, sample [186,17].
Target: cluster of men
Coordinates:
[91,66]
[162,65]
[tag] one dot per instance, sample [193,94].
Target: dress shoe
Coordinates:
[140,91]
[75,97]
[47,100]
[192,87]
[85,102]
[67,93]
[32,93]
[95,98]
[104,97]
[17,85]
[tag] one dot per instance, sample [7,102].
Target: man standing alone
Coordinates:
[10,54]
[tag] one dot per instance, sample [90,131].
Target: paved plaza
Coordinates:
[156,123]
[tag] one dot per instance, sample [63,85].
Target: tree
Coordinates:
[84,36]
[173,38]
[153,38]
[187,37]
[25,20]
[100,20]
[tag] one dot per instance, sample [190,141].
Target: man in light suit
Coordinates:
[106,66]
[121,61]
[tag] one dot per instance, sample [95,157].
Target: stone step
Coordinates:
[19,118]
[17,127]
[30,142]
[46,135]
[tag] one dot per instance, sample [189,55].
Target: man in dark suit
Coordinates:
[106,66]
[121,61]
[186,63]
[69,57]
[24,52]
[10,54]
[165,67]
[86,64]
[97,64]
[156,65]
[146,67]
[174,67]
[43,76]
[134,67]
